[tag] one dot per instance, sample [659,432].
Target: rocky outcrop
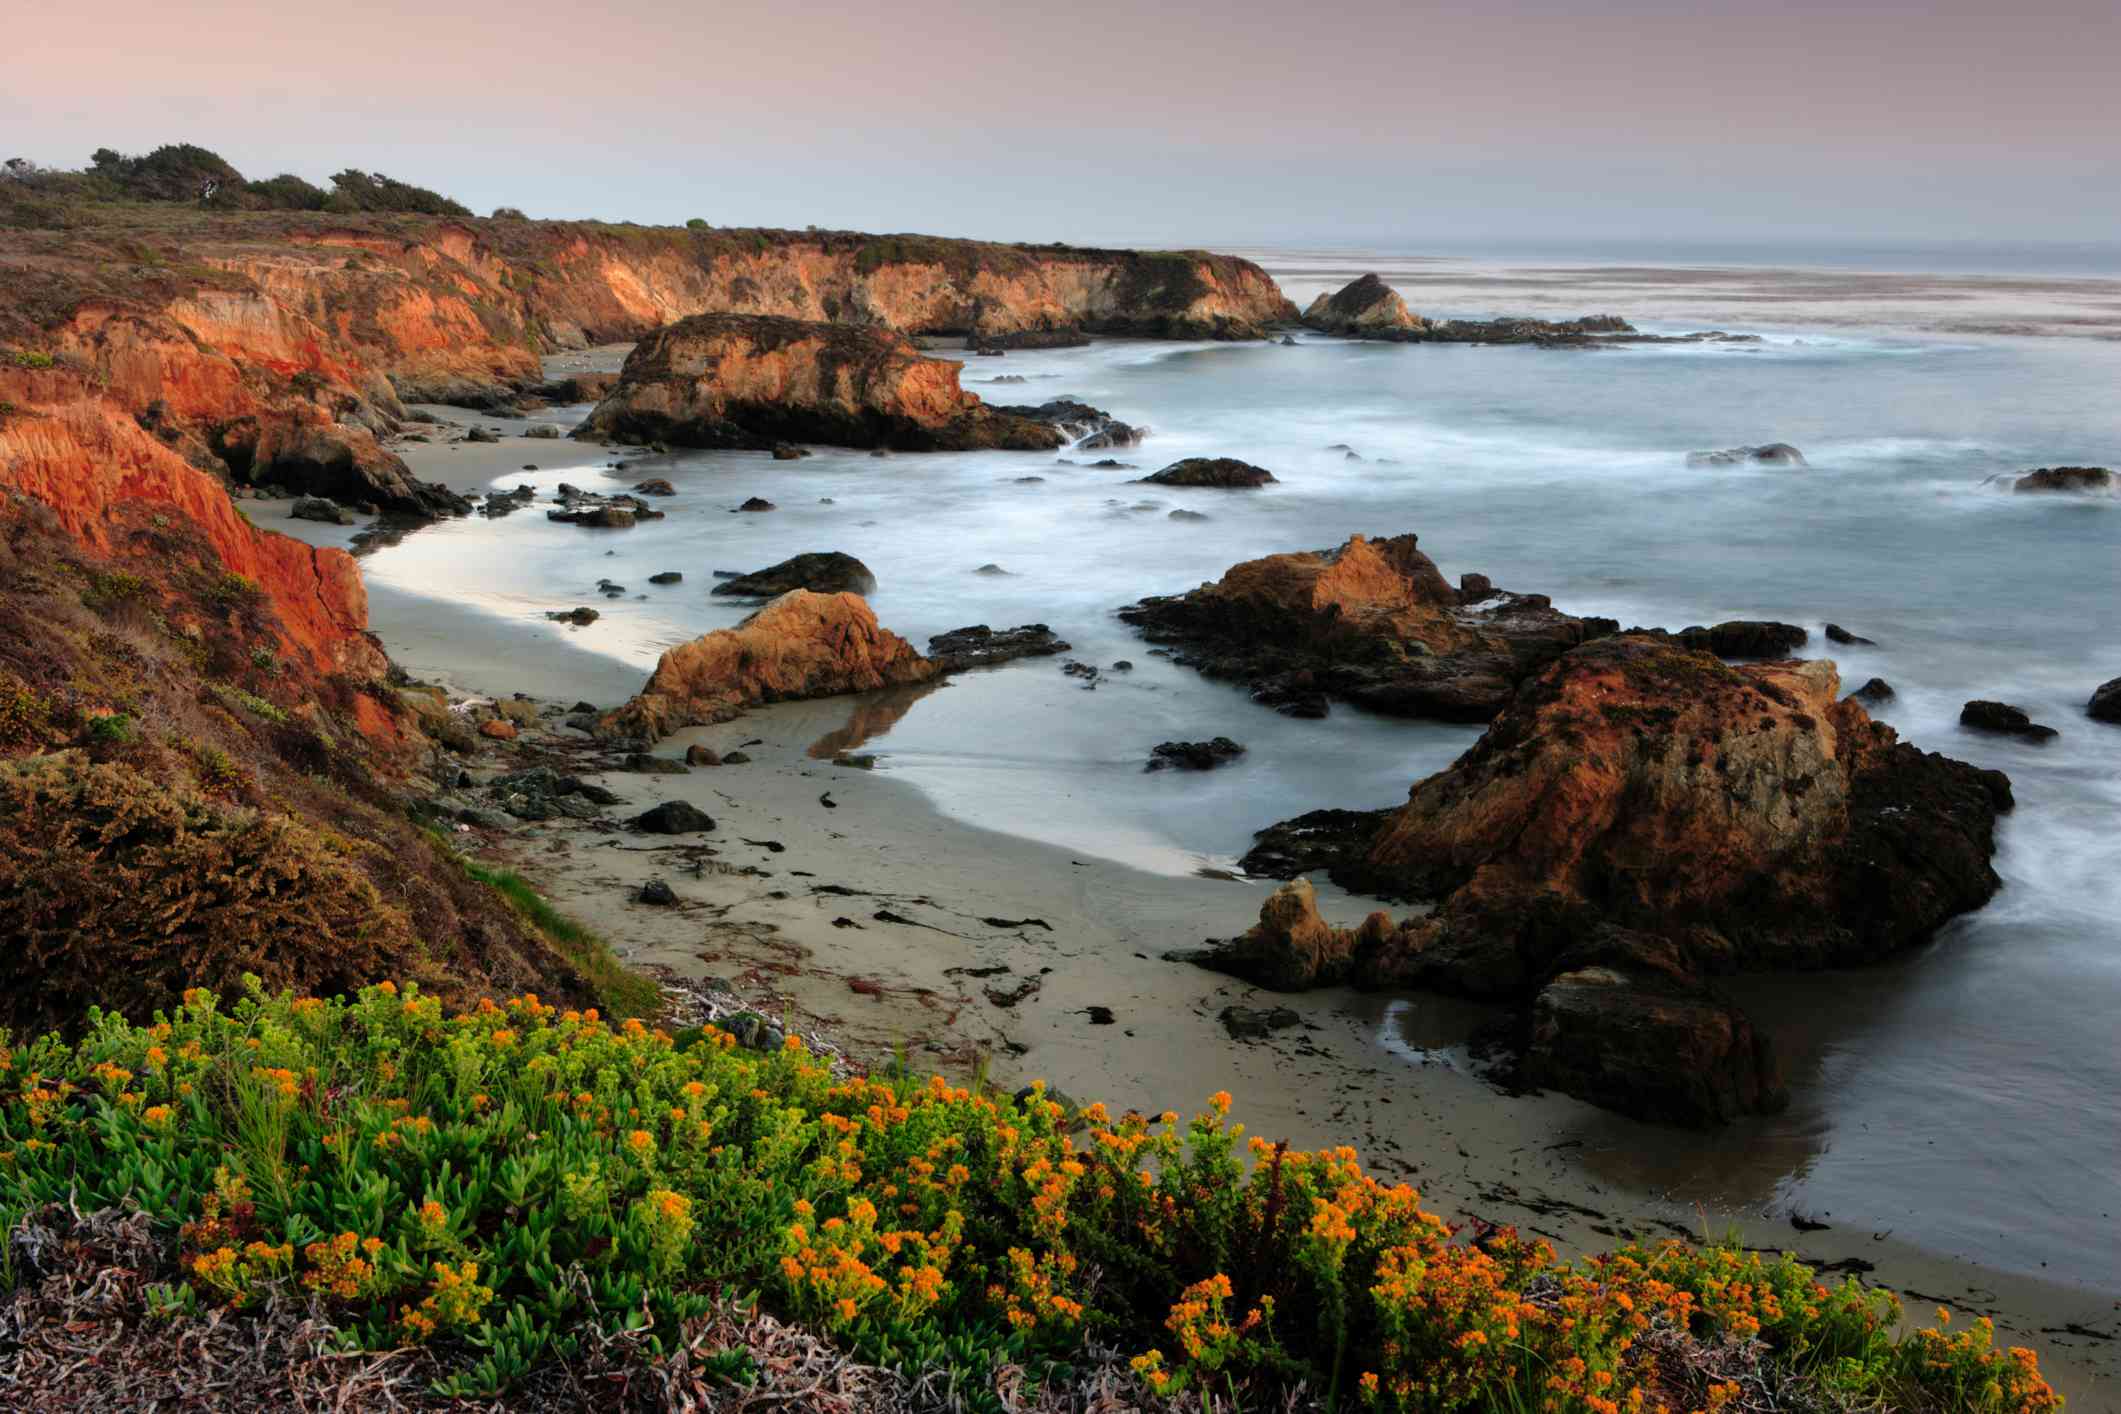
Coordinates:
[732,380]
[1366,308]
[1766,454]
[1685,817]
[1374,622]
[2066,481]
[1214,473]
[1193,755]
[800,645]
[1745,638]
[819,571]
[979,646]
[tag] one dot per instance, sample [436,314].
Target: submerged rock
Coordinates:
[820,571]
[2066,480]
[1835,633]
[1193,755]
[580,617]
[1766,454]
[1874,692]
[1217,473]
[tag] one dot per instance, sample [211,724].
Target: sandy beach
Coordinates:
[845,900]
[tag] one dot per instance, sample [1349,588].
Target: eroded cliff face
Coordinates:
[100,472]
[737,380]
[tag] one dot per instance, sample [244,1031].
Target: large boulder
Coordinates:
[800,645]
[1373,621]
[1639,783]
[819,571]
[1365,308]
[1745,638]
[753,381]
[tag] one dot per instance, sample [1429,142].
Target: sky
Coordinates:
[1405,125]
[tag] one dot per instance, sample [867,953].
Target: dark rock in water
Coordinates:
[982,647]
[1626,1026]
[788,452]
[2005,720]
[2105,705]
[1185,515]
[603,517]
[1835,633]
[1287,342]
[1745,638]
[580,617]
[657,893]
[673,817]
[317,508]
[667,577]
[655,486]
[1076,422]
[1116,436]
[1874,693]
[1216,473]
[991,570]
[697,755]
[1766,454]
[1316,841]
[2066,480]
[480,434]
[1255,1024]
[819,571]
[1121,665]
[1193,755]
[1029,480]
[736,758]
[757,503]
[1112,464]
[1292,694]
[583,707]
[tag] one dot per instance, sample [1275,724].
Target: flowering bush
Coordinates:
[497,1181]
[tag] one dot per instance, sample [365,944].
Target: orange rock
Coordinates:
[498,730]
[735,380]
[800,645]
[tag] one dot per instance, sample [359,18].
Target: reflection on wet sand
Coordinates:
[874,714]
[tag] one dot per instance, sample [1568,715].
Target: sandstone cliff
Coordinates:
[736,380]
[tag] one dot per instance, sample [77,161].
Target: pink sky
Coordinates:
[1646,120]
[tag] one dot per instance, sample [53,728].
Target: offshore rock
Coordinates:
[820,571]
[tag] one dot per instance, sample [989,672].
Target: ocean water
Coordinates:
[1965,1096]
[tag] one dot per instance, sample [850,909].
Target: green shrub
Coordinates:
[28,358]
[110,728]
[499,1181]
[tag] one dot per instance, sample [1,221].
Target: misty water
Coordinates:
[1965,1096]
